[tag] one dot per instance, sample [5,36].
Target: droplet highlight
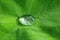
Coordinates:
[26,20]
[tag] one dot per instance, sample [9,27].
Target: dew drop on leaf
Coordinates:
[26,20]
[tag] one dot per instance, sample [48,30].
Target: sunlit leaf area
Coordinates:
[46,24]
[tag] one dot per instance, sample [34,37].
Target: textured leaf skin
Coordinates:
[45,27]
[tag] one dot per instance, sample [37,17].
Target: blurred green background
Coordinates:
[45,27]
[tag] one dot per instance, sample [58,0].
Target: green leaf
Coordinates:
[45,12]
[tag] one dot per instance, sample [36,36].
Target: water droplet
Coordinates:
[26,20]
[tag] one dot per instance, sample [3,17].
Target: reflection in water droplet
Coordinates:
[26,20]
